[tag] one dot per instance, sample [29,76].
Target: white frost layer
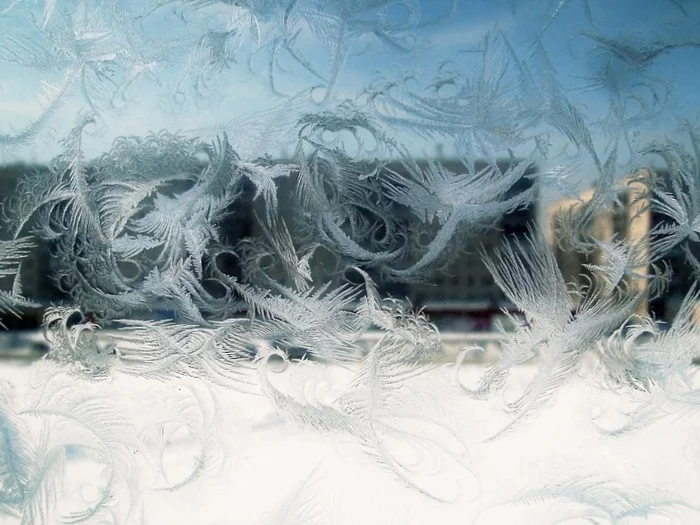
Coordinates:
[265,460]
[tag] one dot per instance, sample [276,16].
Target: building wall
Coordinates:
[464,282]
[628,218]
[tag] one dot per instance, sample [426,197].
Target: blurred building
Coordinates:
[36,267]
[462,294]
[458,292]
[629,218]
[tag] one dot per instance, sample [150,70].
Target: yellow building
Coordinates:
[629,218]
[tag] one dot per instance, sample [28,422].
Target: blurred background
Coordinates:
[461,298]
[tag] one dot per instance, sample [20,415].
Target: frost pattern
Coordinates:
[248,253]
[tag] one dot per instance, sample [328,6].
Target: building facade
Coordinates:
[631,217]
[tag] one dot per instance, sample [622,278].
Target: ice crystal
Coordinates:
[233,219]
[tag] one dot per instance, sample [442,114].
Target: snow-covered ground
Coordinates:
[260,464]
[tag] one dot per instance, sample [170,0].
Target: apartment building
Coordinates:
[462,293]
[627,218]
[630,217]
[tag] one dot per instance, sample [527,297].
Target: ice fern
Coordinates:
[591,500]
[11,255]
[554,330]
[242,224]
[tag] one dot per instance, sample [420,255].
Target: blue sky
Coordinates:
[238,94]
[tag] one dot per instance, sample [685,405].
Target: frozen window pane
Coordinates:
[349,261]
